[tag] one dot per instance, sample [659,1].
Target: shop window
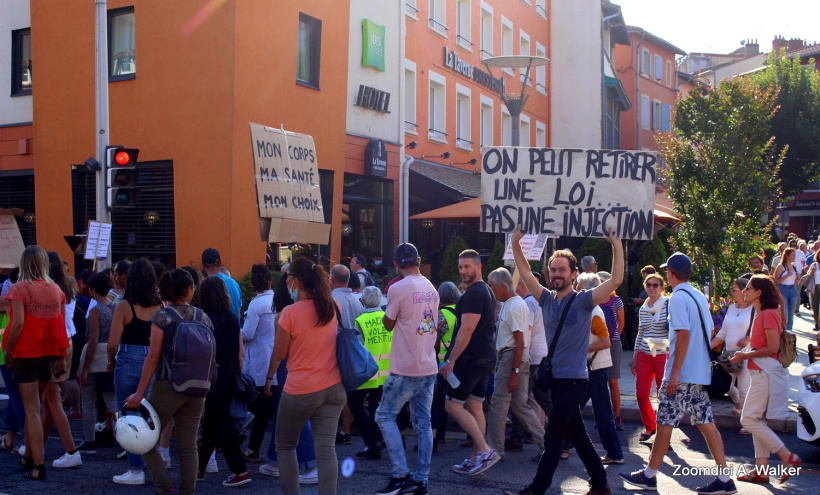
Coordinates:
[464,25]
[308,57]
[21,62]
[122,60]
[486,31]
[367,216]
[438,110]
[410,124]
[463,119]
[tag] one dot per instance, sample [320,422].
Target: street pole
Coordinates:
[103,215]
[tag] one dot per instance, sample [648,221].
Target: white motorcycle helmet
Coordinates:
[137,430]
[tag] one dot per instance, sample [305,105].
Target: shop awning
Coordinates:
[464,182]
[803,213]
[617,88]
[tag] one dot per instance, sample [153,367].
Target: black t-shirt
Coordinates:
[226,332]
[477,299]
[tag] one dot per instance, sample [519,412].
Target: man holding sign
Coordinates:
[567,320]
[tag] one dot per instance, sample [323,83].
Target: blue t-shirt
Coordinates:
[570,357]
[234,292]
[683,315]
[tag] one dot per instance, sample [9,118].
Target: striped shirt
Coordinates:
[652,326]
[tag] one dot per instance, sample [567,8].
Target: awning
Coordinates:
[803,213]
[464,182]
[617,88]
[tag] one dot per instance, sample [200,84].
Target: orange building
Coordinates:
[185,79]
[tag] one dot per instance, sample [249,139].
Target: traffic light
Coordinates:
[121,180]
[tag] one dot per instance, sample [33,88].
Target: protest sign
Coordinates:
[532,244]
[288,197]
[11,242]
[99,237]
[568,192]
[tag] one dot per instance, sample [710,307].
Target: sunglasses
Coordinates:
[652,285]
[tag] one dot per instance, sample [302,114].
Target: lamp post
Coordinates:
[515,101]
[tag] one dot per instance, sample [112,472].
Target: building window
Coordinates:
[122,61]
[669,73]
[463,119]
[541,71]
[438,109]
[410,123]
[506,41]
[486,31]
[656,115]
[464,25]
[541,8]
[646,62]
[438,17]
[524,49]
[645,112]
[21,62]
[486,121]
[524,132]
[309,56]
[411,9]
[658,68]
[506,127]
[540,135]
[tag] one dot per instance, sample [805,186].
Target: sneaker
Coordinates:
[619,423]
[68,460]
[484,461]
[269,470]
[343,438]
[166,456]
[200,476]
[130,478]
[87,448]
[122,455]
[640,480]
[22,450]
[309,477]
[465,467]
[237,479]
[368,453]
[717,487]
[212,466]
[600,491]
[416,487]
[397,485]
[606,460]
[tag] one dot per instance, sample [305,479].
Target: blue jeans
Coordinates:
[397,391]
[602,410]
[789,293]
[305,453]
[127,373]
[15,415]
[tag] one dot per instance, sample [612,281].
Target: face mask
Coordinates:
[294,295]
[377,263]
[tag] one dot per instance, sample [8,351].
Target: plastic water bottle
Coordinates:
[453,381]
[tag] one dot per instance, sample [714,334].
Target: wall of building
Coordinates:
[14,14]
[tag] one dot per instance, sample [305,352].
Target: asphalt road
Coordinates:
[688,448]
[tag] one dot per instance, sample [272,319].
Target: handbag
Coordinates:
[721,380]
[788,348]
[356,364]
[244,392]
[543,374]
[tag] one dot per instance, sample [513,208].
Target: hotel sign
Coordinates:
[466,69]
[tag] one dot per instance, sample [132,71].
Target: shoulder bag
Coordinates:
[543,374]
[356,364]
[721,380]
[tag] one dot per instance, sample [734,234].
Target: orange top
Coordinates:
[312,352]
[768,318]
[44,332]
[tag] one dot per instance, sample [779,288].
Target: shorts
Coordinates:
[473,375]
[29,370]
[616,352]
[689,397]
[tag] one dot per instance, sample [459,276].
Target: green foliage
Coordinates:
[797,122]
[770,252]
[449,262]
[667,238]
[598,248]
[721,170]
[247,290]
[496,259]
[650,253]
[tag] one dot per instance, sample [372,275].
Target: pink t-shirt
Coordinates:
[413,303]
[768,318]
[312,352]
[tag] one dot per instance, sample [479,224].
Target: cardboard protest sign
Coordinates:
[568,192]
[288,197]
[532,244]
[97,240]
[11,242]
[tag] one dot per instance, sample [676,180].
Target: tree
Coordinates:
[797,122]
[721,171]
[650,253]
[496,259]
[449,262]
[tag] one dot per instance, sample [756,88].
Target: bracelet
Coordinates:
[448,361]
[269,378]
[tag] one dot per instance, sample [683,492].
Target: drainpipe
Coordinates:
[404,198]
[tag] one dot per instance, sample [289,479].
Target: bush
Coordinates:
[247,290]
[600,249]
[667,236]
[496,259]
[650,253]
[449,262]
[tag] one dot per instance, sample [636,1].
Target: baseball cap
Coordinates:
[588,261]
[210,256]
[405,253]
[680,262]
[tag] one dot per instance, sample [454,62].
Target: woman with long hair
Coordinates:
[218,425]
[176,286]
[647,365]
[128,346]
[35,348]
[762,361]
[786,277]
[306,336]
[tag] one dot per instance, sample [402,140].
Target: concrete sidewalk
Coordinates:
[722,408]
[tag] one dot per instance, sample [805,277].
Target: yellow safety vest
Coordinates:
[450,318]
[378,341]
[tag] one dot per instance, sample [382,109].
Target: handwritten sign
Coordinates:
[11,242]
[532,244]
[99,237]
[568,192]
[288,198]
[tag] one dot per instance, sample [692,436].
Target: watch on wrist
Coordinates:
[516,370]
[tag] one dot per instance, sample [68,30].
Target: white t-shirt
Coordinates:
[515,316]
[735,325]
[538,338]
[413,303]
[799,261]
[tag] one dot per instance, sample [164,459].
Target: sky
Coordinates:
[718,26]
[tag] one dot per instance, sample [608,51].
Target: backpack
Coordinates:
[788,348]
[192,369]
[611,318]
[369,280]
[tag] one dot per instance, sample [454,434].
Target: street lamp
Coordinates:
[515,101]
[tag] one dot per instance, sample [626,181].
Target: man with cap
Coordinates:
[685,379]
[589,265]
[411,314]
[212,264]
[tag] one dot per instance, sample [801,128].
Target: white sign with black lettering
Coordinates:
[97,241]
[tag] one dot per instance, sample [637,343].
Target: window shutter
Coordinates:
[658,67]
[666,116]
[645,111]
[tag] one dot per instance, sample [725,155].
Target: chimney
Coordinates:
[752,48]
[795,44]
[778,43]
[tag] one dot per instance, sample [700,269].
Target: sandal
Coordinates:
[564,455]
[41,473]
[754,477]
[26,462]
[646,436]
[794,462]
[737,411]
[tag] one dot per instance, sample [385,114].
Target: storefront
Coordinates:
[367,216]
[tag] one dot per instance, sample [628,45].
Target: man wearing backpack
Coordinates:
[685,379]
[357,266]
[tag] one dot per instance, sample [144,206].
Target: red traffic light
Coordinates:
[122,158]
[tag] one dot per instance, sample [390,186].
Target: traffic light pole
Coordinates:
[103,215]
